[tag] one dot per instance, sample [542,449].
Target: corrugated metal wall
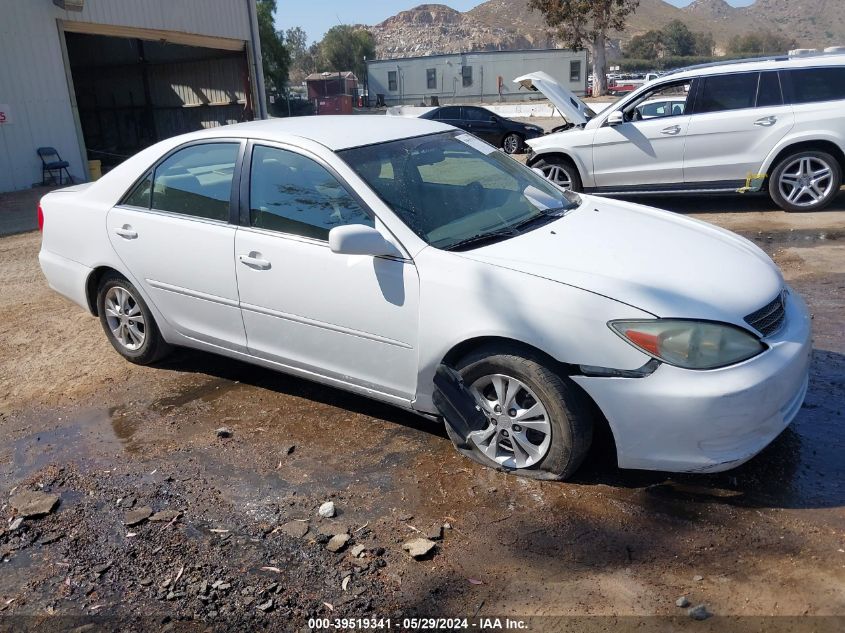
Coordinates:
[32,73]
[412,86]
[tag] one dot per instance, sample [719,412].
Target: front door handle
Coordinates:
[766,121]
[672,130]
[126,232]
[254,260]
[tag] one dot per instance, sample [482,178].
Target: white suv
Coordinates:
[744,126]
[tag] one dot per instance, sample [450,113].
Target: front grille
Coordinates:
[770,318]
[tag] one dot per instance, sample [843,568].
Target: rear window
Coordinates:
[810,85]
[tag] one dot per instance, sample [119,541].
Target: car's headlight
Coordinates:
[690,344]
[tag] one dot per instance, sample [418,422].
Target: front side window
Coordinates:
[812,85]
[662,101]
[197,181]
[575,70]
[293,194]
[454,190]
[391,80]
[727,92]
[431,78]
[466,74]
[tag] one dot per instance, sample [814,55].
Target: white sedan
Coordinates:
[378,254]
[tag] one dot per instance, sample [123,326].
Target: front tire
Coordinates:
[512,143]
[540,423]
[561,171]
[128,323]
[805,181]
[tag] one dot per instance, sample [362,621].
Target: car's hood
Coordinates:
[654,260]
[570,106]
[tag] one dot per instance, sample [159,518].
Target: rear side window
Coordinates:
[196,181]
[449,112]
[768,91]
[810,85]
[293,194]
[727,92]
[477,114]
[141,194]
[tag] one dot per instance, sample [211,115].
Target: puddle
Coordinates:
[795,237]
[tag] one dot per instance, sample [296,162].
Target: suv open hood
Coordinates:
[576,111]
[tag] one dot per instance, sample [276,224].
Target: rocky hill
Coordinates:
[509,24]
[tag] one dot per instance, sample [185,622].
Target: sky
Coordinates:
[318,16]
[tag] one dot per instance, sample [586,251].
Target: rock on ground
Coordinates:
[699,612]
[296,529]
[137,516]
[166,515]
[327,510]
[682,602]
[419,547]
[30,504]
[337,542]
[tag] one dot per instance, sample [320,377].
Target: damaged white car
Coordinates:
[410,262]
[775,125]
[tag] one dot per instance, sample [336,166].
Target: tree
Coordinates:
[580,21]
[760,43]
[303,59]
[705,45]
[344,47]
[275,58]
[649,45]
[678,39]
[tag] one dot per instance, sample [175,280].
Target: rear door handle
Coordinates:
[126,232]
[254,260]
[766,121]
[672,130]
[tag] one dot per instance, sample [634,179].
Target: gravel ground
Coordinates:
[112,439]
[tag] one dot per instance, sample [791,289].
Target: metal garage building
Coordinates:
[101,79]
[471,77]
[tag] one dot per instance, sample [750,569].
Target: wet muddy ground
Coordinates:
[767,539]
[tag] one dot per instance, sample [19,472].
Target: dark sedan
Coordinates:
[505,133]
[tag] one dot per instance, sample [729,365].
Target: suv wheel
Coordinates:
[512,143]
[540,424]
[805,181]
[560,171]
[128,323]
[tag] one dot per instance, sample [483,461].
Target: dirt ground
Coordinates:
[760,546]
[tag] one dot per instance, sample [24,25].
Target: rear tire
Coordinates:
[805,181]
[513,143]
[128,323]
[561,171]
[547,441]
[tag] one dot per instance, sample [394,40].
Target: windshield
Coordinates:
[454,190]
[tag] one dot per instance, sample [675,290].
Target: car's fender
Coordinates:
[463,299]
[802,136]
[577,145]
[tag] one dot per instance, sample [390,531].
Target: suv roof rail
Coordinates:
[770,58]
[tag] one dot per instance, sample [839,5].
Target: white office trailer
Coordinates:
[471,77]
[101,79]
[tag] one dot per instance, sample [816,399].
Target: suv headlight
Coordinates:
[690,344]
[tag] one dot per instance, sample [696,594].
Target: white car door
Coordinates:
[173,233]
[643,152]
[738,119]
[353,319]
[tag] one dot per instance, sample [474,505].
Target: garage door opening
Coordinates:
[131,93]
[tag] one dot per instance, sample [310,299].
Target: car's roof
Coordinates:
[750,65]
[334,131]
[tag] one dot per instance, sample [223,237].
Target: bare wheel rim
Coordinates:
[806,181]
[511,143]
[518,433]
[557,175]
[124,318]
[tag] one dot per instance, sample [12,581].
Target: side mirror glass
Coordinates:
[358,239]
[538,171]
[616,118]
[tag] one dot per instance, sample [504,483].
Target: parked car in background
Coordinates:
[379,256]
[508,134]
[660,107]
[775,125]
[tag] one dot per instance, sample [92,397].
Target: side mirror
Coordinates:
[358,239]
[616,118]
[538,171]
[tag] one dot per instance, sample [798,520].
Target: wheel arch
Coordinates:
[93,283]
[535,158]
[821,145]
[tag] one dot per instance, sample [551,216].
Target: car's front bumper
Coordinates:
[708,421]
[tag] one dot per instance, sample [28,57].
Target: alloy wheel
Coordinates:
[518,433]
[806,181]
[125,318]
[511,143]
[557,175]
